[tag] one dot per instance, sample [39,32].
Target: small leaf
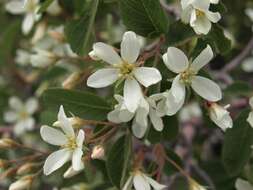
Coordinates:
[82,104]
[145,17]
[118,160]
[237,145]
[45,5]
[79,32]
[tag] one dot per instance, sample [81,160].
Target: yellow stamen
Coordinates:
[199,13]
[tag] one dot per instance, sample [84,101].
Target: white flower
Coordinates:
[220,116]
[141,181]
[250,118]
[27,7]
[146,108]
[54,8]
[243,185]
[71,145]
[124,67]
[177,62]
[22,57]
[21,114]
[42,58]
[22,184]
[249,13]
[196,12]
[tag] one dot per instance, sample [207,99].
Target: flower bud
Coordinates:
[98,152]
[72,80]
[220,116]
[8,143]
[26,168]
[22,184]
[94,56]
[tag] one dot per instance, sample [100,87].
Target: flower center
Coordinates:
[126,69]
[187,76]
[71,143]
[199,13]
[30,6]
[23,115]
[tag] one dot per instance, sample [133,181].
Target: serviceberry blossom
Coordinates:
[141,181]
[250,118]
[125,68]
[20,114]
[146,109]
[220,116]
[70,143]
[177,62]
[196,12]
[27,7]
[241,184]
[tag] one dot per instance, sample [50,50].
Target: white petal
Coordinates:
[65,123]
[175,60]
[223,121]
[202,25]
[71,172]
[132,94]
[156,120]
[247,65]
[113,116]
[125,115]
[140,183]
[80,138]
[130,47]
[186,14]
[214,1]
[185,3]
[250,119]
[155,184]
[28,123]
[77,162]
[16,104]
[139,129]
[53,136]
[19,128]
[147,75]
[201,5]
[203,58]
[10,116]
[31,105]
[56,160]
[206,88]
[28,23]
[213,17]
[243,185]
[106,53]
[178,89]
[128,183]
[103,78]
[15,7]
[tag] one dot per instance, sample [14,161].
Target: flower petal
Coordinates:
[139,129]
[56,160]
[53,136]
[71,172]
[156,120]
[175,60]
[132,94]
[202,5]
[77,162]
[206,88]
[15,103]
[106,53]
[103,78]
[203,58]
[130,47]
[201,25]
[250,118]
[15,7]
[80,138]
[147,75]
[155,184]
[213,17]
[65,123]
[28,123]
[128,183]
[214,1]
[31,105]
[28,23]
[140,183]
[243,185]
[178,89]
[10,116]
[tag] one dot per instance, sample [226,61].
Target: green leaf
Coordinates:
[79,31]
[217,39]
[238,88]
[220,7]
[118,160]
[45,5]
[179,33]
[237,145]
[169,168]
[80,103]
[145,17]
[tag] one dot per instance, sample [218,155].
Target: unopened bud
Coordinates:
[22,184]
[8,143]
[94,56]
[26,168]
[98,152]
[72,80]
[39,32]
